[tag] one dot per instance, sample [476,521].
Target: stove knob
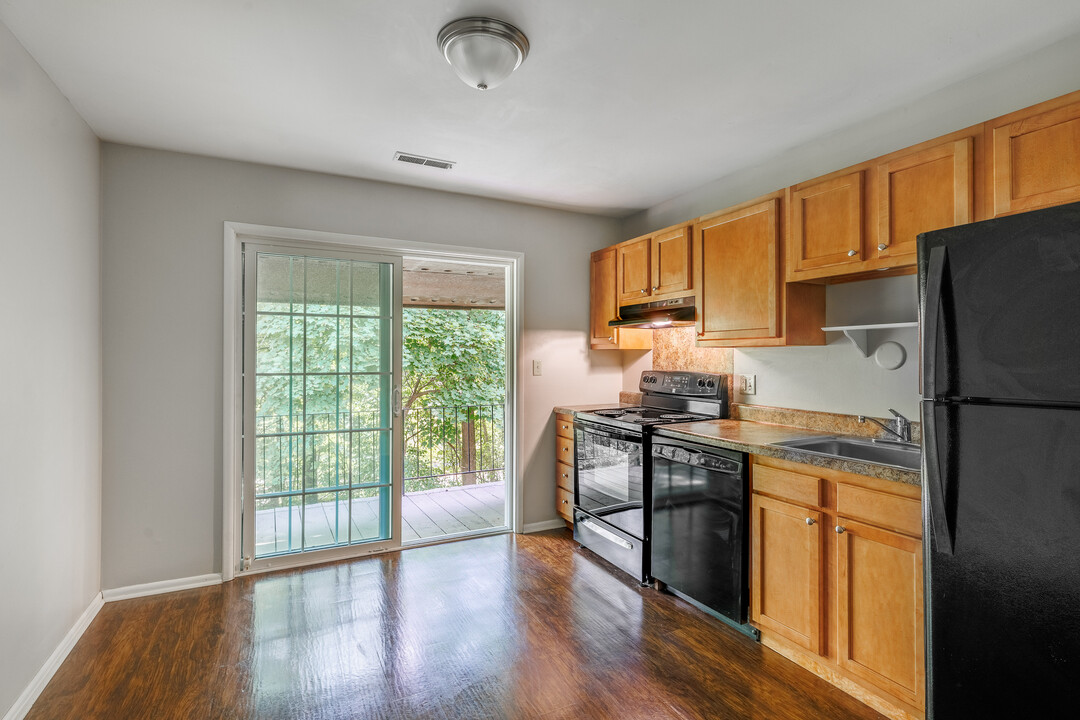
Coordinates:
[700,382]
[711,384]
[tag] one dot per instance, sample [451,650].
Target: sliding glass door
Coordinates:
[321,402]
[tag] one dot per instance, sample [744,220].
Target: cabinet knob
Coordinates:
[611,338]
[566,449]
[701,334]
[809,521]
[655,288]
[644,290]
[565,475]
[840,529]
[852,253]
[565,427]
[565,502]
[882,246]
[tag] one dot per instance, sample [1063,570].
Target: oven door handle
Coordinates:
[606,432]
[607,535]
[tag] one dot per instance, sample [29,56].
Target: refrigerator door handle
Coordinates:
[939,520]
[935,274]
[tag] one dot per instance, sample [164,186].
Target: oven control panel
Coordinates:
[688,384]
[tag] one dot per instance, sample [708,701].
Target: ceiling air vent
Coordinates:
[421,160]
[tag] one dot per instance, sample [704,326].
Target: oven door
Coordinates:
[609,472]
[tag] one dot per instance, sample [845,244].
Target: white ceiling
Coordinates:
[620,105]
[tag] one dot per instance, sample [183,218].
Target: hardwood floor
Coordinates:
[497,627]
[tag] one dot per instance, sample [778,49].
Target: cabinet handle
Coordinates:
[809,521]
[840,529]
[852,253]
[882,246]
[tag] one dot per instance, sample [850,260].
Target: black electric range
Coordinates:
[613,462]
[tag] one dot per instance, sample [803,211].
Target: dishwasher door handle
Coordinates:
[607,534]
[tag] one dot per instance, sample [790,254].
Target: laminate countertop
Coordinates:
[759,438]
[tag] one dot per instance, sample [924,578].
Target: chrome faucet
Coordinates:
[900,426]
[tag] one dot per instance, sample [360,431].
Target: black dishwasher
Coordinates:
[700,513]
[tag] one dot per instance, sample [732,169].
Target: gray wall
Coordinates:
[50,362]
[162,304]
[835,378]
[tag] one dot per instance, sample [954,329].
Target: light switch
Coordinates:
[537,368]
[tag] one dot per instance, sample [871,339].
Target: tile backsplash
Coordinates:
[676,349]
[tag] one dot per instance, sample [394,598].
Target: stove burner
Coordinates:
[617,412]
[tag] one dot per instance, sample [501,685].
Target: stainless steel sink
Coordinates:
[880,452]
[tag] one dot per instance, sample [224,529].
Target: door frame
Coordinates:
[235,235]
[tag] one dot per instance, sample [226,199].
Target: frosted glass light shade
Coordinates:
[483,51]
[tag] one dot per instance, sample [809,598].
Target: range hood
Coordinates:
[658,314]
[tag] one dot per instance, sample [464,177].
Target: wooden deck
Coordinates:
[426,514]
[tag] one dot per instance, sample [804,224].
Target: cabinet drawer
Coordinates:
[564,425]
[564,476]
[564,504]
[880,508]
[564,450]
[796,487]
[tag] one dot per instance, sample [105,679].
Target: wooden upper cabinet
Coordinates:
[671,275]
[634,274]
[655,267]
[1034,157]
[921,189]
[880,608]
[787,570]
[827,226]
[604,308]
[736,260]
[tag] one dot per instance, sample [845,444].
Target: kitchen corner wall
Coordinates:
[834,378]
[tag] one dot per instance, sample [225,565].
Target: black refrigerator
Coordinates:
[999,305]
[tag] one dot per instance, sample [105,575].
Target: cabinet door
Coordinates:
[826,224]
[736,255]
[602,306]
[1035,158]
[671,263]
[634,273]
[787,571]
[880,608]
[926,190]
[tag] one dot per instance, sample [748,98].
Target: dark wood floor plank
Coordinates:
[505,627]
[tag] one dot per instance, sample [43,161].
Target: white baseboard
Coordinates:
[162,586]
[544,525]
[30,695]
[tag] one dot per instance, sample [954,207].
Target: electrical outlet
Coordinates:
[538,369]
[748,384]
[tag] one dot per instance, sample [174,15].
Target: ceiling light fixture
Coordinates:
[483,51]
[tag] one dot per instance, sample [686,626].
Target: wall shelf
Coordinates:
[857,333]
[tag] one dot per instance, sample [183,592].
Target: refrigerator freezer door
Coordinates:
[1007,316]
[1003,609]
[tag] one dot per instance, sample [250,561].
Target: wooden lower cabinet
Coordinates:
[564,466]
[836,580]
[787,570]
